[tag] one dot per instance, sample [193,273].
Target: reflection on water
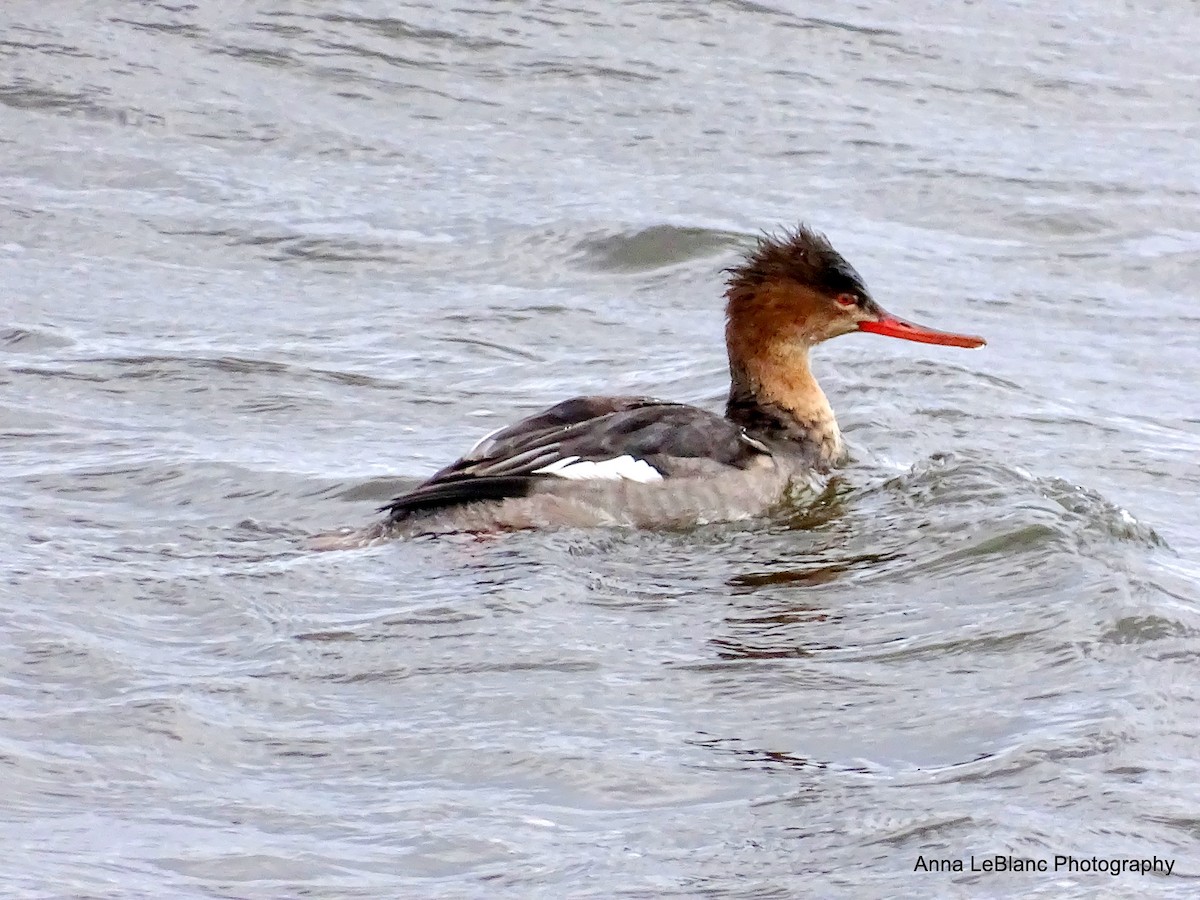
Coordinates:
[265,266]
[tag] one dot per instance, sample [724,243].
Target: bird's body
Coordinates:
[605,461]
[636,461]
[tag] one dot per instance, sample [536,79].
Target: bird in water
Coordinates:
[641,462]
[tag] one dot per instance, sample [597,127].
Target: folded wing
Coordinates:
[587,439]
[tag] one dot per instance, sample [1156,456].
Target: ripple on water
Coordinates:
[268,263]
[960,565]
[652,248]
[16,339]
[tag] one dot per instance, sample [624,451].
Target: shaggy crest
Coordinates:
[804,256]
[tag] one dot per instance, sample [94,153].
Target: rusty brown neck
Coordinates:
[774,394]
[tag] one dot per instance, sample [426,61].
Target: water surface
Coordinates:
[266,264]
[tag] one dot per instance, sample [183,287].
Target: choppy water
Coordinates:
[264,264]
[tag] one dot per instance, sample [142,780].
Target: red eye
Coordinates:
[847,300]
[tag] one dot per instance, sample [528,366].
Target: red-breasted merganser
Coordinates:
[637,461]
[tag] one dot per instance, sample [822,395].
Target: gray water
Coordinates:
[263,265]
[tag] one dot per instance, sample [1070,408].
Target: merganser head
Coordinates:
[797,290]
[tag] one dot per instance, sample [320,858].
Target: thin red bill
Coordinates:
[891,326]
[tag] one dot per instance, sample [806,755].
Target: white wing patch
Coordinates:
[620,467]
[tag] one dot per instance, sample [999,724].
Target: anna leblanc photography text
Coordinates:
[1059,863]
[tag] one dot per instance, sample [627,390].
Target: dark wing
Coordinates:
[587,437]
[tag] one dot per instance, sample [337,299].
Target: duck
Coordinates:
[633,461]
